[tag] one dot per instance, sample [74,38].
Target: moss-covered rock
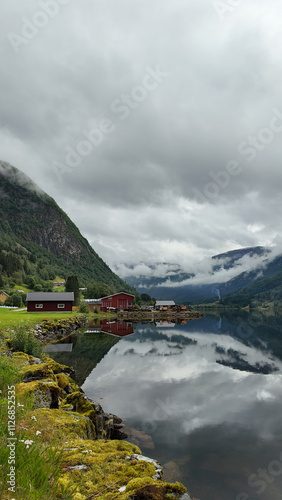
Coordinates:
[152,492]
[37,371]
[81,404]
[52,330]
[64,382]
[45,393]
[56,367]
[108,472]
[21,359]
[58,425]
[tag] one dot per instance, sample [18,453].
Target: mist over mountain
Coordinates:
[212,279]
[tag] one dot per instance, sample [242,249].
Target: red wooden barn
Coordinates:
[120,301]
[49,302]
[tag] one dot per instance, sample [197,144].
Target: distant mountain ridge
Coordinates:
[228,273]
[34,229]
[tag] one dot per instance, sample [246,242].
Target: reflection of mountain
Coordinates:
[235,360]
[255,329]
[88,351]
[247,354]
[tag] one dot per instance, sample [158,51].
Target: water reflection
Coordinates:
[65,345]
[208,392]
[116,328]
[88,349]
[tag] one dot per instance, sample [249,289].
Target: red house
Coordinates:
[120,301]
[49,302]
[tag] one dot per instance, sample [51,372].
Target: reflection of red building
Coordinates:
[118,328]
[118,301]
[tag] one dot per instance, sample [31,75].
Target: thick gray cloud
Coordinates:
[183,104]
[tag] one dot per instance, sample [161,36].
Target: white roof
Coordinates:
[92,301]
[165,303]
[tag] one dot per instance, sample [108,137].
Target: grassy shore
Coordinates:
[11,318]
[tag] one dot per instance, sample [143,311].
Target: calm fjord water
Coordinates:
[207,392]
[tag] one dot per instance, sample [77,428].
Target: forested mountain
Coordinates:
[38,239]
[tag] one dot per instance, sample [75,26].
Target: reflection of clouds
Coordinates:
[143,381]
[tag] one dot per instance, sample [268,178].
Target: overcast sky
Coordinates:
[182,103]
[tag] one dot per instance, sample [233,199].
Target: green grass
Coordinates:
[38,466]
[24,288]
[58,288]
[12,319]
[9,374]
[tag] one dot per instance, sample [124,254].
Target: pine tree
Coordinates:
[72,285]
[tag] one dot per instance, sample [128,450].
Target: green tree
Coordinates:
[38,287]
[145,297]
[16,299]
[137,299]
[72,285]
[31,282]
[84,307]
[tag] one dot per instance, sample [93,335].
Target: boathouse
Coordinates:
[48,302]
[120,301]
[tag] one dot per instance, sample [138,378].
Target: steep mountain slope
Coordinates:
[34,230]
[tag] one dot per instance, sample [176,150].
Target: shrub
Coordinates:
[83,307]
[24,341]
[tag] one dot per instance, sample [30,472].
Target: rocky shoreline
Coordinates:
[149,316]
[51,330]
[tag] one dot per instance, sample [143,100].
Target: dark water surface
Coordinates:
[208,392]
